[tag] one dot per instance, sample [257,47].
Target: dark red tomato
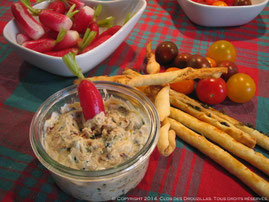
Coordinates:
[210,2]
[229,2]
[181,60]
[198,61]
[166,52]
[211,91]
[232,69]
[242,2]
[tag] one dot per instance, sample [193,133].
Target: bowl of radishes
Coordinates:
[42,34]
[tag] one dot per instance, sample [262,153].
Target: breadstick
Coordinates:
[162,103]
[153,66]
[261,139]
[219,123]
[167,139]
[223,139]
[223,158]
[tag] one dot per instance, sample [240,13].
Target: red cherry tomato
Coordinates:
[241,88]
[211,91]
[210,2]
[229,2]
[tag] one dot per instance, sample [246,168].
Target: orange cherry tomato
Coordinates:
[219,3]
[185,86]
[241,88]
[211,62]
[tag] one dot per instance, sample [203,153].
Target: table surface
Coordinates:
[187,173]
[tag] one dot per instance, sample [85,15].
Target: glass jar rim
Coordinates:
[64,171]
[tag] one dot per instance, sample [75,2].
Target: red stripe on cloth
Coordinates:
[139,64]
[165,174]
[2,25]
[190,175]
[217,182]
[9,197]
[180,163]
[130,54]
[145,184]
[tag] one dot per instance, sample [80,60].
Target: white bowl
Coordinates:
[119,9]
[218,16]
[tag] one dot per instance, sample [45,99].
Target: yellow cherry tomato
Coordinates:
[241,88]
[219,3]
[222,50]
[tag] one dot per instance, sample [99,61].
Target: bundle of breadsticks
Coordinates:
[213,133]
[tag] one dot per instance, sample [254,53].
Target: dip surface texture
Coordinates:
[105,141]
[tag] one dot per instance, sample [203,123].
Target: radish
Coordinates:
[90,98]
[63,52]
[44,44]
[51,19]
[71,39]
[21,38]
[88,37]
[83,19]
[96,43]
[78,4]
[26,22]
[57,6]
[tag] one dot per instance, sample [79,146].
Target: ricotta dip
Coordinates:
[107,140]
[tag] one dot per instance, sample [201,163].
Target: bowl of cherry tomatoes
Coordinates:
[222,13]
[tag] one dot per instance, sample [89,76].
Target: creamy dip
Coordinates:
[105,141]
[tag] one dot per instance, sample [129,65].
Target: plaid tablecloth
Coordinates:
[186,175]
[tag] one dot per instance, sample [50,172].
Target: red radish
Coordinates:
[40,45]
[111,30]
[78,3]
[26,22]
[94,27]
[55,21]
[96,43]
[61,53]
[21,38]
[90,98]
[44,44]
[71,39]
[57,6]
[83,19]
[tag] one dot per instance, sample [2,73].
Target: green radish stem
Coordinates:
[87,39]
[70,61]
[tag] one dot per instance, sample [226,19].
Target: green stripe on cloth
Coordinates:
[10,175]
[36,88]
[10,164]
[4,151]
[5,185]
[262,123]
[4,52]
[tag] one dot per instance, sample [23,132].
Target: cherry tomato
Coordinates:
[241,88]
[222,50]
[211,62]
[198,61]
[211,91]
[210,2]
[232,69]
[242,2]
[165,52]
[229,2]
[219,3]
[181,60]
[185,86]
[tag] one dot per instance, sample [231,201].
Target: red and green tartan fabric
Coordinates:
[186,175]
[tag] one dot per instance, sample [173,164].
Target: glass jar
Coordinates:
[105,184]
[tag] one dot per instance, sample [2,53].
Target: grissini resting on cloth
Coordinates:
[221,138]
[220,123]
[223,158]
[260,138]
